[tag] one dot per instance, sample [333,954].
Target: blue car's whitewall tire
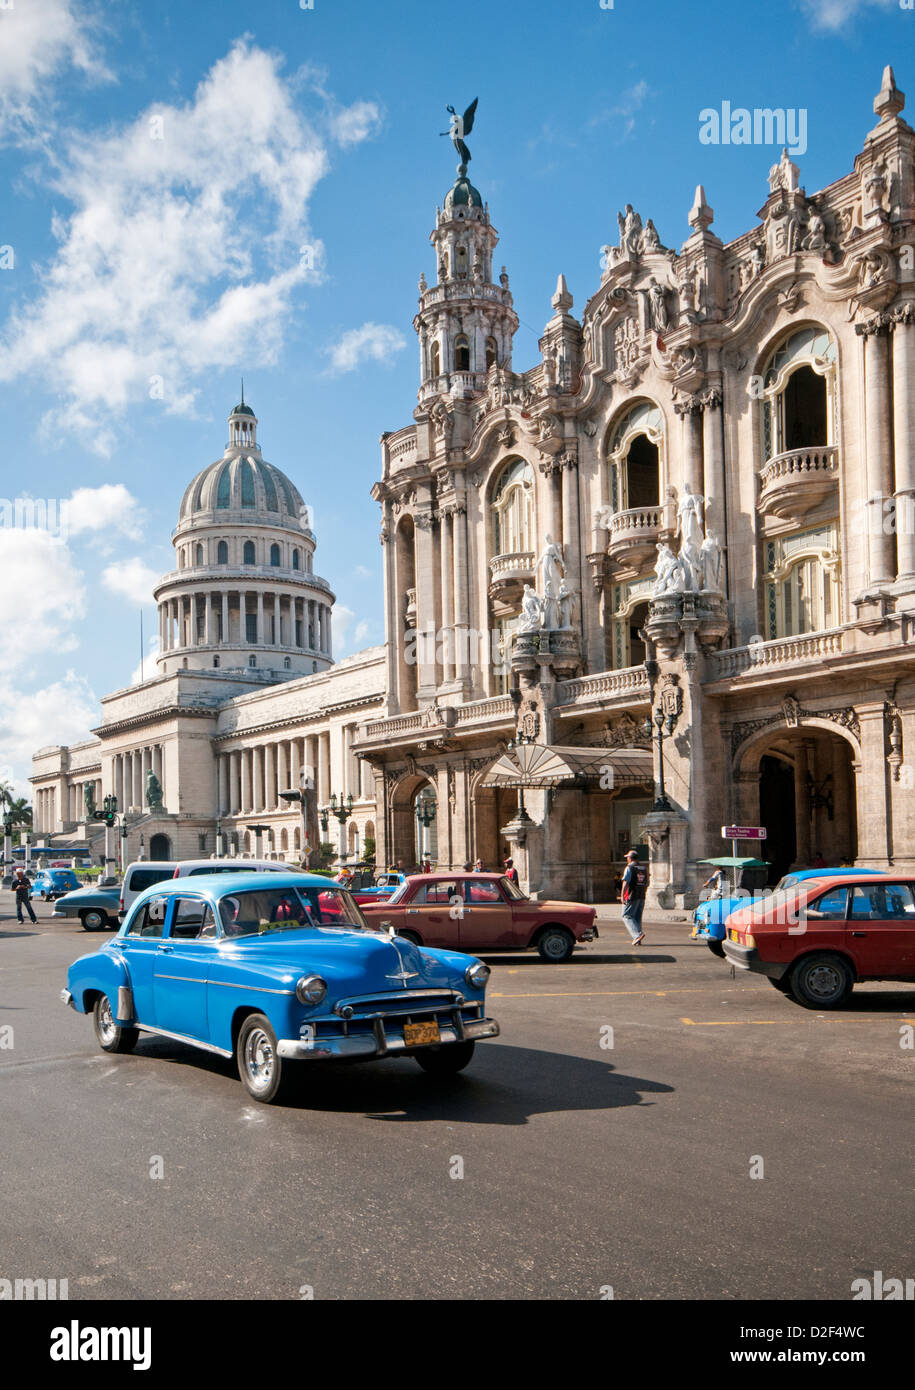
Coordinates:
[111,1036]
[263,1072]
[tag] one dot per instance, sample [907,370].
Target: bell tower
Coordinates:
[465,322]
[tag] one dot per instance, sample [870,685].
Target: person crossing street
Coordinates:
[23,890]
[635,883]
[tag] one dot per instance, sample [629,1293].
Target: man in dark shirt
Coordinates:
[635,882]
[23,889]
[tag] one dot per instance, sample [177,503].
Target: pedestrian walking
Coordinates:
[23,890]
[635,882]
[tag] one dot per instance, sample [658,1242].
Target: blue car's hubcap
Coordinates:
[106,1024]
[259,1058]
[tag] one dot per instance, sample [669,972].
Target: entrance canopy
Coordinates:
[548,765]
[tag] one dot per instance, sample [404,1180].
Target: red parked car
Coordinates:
[818,939]
[482,912]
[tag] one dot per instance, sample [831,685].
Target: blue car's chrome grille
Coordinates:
[401,1001]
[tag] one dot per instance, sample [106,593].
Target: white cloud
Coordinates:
[42,594]
[182,253]
[355,123]
[110,507]
[63,712]
[375,342]
[836,14]
[131,579]
[363,572]
[360,632]
[39,40]
[148,669]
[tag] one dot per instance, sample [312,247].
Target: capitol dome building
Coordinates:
[243,594]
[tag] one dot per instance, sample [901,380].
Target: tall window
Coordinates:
[198,555]
[249,553]
[295,559]
[435,361]
[513,509]
[274,555]
[634,464]
[802,582]
[222,553]
[799,396]
[490,353]
[461,353]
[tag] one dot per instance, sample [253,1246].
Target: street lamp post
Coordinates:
[343,810]
[7,846]
[522,809]
[665,717]
[425,815]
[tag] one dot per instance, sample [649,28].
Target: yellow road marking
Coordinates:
[729,1022]
[590,993]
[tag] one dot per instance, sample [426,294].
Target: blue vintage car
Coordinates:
[49,884]
[709,917]
[275,974]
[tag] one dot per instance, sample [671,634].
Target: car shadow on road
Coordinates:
[503,1085]
[592,958]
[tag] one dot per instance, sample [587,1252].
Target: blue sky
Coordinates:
[162,168]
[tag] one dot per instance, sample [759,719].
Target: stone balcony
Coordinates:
[508,574]
[793,483]
[782,654]
[633,535]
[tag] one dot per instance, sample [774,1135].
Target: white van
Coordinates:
[144,873]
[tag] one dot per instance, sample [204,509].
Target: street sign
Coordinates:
[743,832]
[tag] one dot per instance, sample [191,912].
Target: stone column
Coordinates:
[269,777]
[460,589]
[904,437]
[323,768]
[233,783]
[225,615]
[277,629]
[222,804]
[713,462]
[871,788]
[117,769]
[245,760]
[208,619]
[570,530]
[877,418]
[802,802]
[261,635]
[692,447]
[446,559]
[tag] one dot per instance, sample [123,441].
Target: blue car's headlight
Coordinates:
[477,974]
[310,989]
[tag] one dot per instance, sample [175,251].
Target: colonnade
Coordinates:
[239,617]
[129,772]
[251,779]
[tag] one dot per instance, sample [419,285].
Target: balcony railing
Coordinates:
[793,482]
[633,534]
[517,565]
[781,652]
[630,681]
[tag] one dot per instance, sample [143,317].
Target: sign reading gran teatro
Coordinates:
[661,581]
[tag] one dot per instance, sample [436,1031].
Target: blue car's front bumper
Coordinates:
[378,1043]
[374,1027]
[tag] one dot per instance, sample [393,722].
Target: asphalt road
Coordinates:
[584,1166]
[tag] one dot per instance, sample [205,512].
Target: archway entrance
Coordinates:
[804,793]
[160,847]
[493,807]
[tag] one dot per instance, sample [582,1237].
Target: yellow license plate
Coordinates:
[732,935]
[421,1034]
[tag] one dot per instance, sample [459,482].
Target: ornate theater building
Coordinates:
[661,580]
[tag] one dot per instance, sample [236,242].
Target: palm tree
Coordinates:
[6,794]
[20,813]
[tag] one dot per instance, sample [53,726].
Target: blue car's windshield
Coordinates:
[255,912]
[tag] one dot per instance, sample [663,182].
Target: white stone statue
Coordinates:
[531,611]
[690,512]
[552,566]
[784,175]
[568,605]
[657,307]
[669,575]
[711,564]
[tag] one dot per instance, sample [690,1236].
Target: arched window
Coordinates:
[490,353]
[435,361]
[314,667]
[634,463]
[462,353]
[275,555]
[249,553]
[798,408]
[803,593]
[198,555]
[248,498]
[513,509]
[216,661]
[295,559]
[460,262]
[252,660]
[222,553]
[287,664]
[184,664]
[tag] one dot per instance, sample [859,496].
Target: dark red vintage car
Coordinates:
[482,912]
